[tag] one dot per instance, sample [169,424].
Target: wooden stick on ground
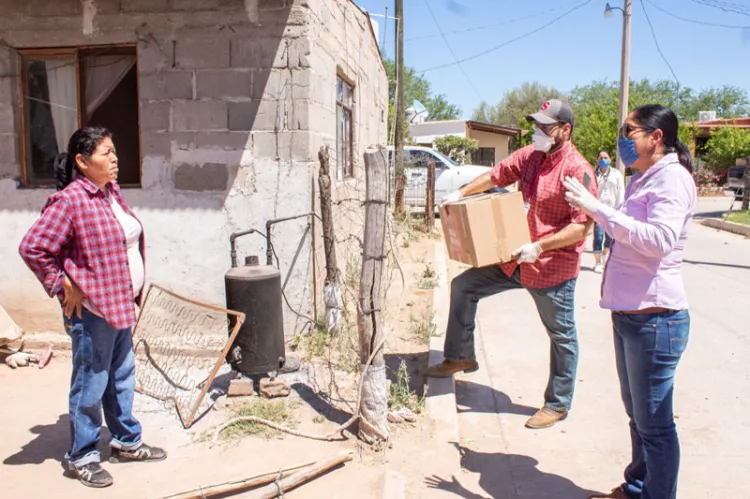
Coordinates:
[237,485]
[276,489]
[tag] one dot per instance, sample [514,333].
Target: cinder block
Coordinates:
[6,89]
[259,53]
[199,115]
[155,55]
[273,388]
[7,119]
[241,388]
[8,146]
[230,141]
[54,7]
[295,146]
[218,83]
[272,85]
[107,6]
[202,53]
[302,83]
[299,52]
[160,144]
[256,115]
[155,115]
[169,85]
[209,177]
[196,4]
[7,58]
[299,114]
[9,170]
[144,5]
[265,145]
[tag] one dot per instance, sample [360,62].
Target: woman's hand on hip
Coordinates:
[72,298]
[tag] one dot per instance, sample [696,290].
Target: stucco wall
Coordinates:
[487,139]
[225,89]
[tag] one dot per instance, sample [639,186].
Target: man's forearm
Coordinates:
[570,235]
[480,184]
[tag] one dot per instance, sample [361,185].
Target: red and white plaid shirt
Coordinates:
[540,178]
[78,235]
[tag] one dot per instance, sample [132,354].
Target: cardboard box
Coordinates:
[485,229]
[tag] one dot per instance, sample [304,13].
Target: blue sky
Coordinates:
[582,47]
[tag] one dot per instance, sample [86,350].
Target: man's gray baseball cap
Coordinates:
[553,111]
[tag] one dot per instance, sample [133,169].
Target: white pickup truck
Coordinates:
[449,175]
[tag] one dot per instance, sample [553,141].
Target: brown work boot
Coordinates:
[616,493]
[544,418]
[448,368]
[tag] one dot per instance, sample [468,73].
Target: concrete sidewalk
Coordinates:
[588,451]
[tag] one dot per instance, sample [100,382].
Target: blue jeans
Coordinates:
[103,377]
[648,348]
[555,306]
[601,239]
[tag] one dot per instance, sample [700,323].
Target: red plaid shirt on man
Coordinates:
[540,178]
[78,235]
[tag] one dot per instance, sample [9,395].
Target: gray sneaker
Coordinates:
[92,475]
[142,453]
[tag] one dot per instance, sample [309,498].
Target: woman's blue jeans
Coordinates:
[103,378]
[601,239]
[648,348]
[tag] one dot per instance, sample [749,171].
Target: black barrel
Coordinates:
[255,290]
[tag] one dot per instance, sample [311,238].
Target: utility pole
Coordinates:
[400,112]
[624,72]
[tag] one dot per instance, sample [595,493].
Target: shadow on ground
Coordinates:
[473,397]
[506,476]
[416,365]
[319,404]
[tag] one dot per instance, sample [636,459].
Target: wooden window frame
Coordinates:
[24,137]
[347,169]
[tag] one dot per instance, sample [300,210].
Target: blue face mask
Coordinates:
[604,163]
[626,151]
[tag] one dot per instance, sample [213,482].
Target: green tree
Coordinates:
[725,146]
[456,148]
[516,105]
[727,101]
[417,88]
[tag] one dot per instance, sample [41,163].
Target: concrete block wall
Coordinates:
[236,97]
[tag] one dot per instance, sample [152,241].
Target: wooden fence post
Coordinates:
[374,401]
[429,206]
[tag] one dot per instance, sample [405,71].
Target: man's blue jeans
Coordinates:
[103,377]
[648,348]
[555,306]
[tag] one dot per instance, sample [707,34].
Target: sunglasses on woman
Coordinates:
[627,129]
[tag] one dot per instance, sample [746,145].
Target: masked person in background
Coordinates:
[547,267]
[611,193]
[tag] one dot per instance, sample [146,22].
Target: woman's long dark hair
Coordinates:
[84,141]
[656,116]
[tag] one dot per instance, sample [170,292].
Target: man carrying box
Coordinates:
[548,267]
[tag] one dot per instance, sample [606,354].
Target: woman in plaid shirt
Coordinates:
[87,249]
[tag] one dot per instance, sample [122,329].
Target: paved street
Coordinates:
[502,459]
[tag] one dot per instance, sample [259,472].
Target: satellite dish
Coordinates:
[419,109]
[416,113]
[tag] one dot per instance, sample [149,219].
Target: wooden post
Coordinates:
[326,213]
[429,205]
[399,115]
[374,401]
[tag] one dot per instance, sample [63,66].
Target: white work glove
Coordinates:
[451,198]
[579,197]
[528,253]
[18,359]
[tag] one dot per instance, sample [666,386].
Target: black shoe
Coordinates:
[92,475]
[142,453]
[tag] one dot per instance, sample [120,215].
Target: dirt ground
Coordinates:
[35,422]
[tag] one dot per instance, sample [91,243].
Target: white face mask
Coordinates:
[542,142]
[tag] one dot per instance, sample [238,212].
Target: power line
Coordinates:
[495,25]
[450,49]
[497,47]
[725,6]
[729,26]
[656,42]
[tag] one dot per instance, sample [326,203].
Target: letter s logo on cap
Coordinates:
[545,106]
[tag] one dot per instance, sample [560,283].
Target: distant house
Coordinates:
[495,142]
[704,128]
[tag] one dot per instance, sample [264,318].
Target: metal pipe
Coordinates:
[233,244]
[269,224]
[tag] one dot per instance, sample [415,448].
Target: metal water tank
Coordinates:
[255,290]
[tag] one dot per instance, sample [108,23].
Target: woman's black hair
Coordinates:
[657,117]
[84,141]
[609,153]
